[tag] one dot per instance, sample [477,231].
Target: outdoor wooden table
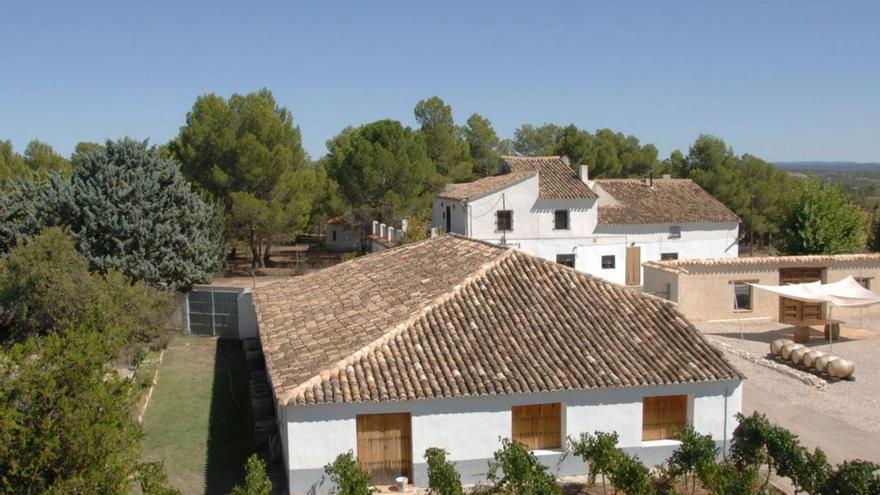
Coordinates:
[802,329]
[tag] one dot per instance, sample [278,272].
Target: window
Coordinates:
[334,236]
[864,282]
[668,256]
[504,220]
[565,259]
[675,232]
[663,416]
[743,296]
[608,262]
[560,220]
[538,426]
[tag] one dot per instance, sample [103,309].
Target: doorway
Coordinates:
[384,446]
[634,265]
[790,310]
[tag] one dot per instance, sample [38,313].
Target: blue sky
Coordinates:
[791,80]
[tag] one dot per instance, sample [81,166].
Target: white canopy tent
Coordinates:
[847,293]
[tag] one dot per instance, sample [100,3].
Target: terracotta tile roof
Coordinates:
[450,317]
[681,266]
[668,201]
[383,241]
[556,179]
[466,191]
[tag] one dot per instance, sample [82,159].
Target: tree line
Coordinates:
[245,154]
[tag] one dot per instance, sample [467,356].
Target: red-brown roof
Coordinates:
[556,179]
[466,191]
[665,201]
[451,317]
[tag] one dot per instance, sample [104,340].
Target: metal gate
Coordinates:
[213,312]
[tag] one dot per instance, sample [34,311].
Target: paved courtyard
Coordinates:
[843,417]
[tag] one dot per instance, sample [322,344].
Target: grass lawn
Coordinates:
[199,418]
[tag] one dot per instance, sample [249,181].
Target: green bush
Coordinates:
[256,481]
[695,454]
[728,478]
[520,471]
[152,479]
[598,451]
[443,479]
[348,476]
[628,475]
[45,286]
[853,478]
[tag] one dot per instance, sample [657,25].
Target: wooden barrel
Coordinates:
[841,368]
[821,363]
[797,355]
[788,348]
[810,357]
[776,346]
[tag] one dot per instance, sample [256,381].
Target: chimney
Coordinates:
[375,227]
[566,161]
[382,230]
[391,234]
[585,174]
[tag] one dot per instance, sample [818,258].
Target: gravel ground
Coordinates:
[854,402]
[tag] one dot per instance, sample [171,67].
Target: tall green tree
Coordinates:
[484,144]
[443,141]
[129,210]
[383,170]
[12,165]
[823,221]
[42,160]
[248,146]
[529,140]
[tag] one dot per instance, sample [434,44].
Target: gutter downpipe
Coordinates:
[724,439]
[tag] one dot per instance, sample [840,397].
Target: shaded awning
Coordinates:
[845,293]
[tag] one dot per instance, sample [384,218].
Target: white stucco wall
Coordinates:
[346,238]
[534,232]
[470,428]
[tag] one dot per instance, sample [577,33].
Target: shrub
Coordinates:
[443,479]
[348,476]
[693,456]
[152,479]
[521,473]
[853,478]
[728,478]
[598,451]
[628,475]
[256,481]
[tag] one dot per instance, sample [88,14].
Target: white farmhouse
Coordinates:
[604,227]
[452,343]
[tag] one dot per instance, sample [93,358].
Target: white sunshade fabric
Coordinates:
[846,293]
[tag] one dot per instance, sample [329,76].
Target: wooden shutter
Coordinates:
[384,446]
[633,265]
[663,416]
[538,426]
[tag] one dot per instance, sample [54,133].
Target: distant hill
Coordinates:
[831,166]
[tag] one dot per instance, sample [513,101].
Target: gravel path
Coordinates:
[856,403]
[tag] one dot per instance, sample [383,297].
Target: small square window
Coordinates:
[668,256]
[663,416]
[864,282]
[608,262]
[504,220]
[675,232]
[560,220]
[565,259]
[538,426]
[743,296]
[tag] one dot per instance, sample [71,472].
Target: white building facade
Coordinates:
[469,428]
[605,228]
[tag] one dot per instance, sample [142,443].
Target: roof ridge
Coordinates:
[400,327]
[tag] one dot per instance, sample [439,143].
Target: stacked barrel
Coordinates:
[814,359]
